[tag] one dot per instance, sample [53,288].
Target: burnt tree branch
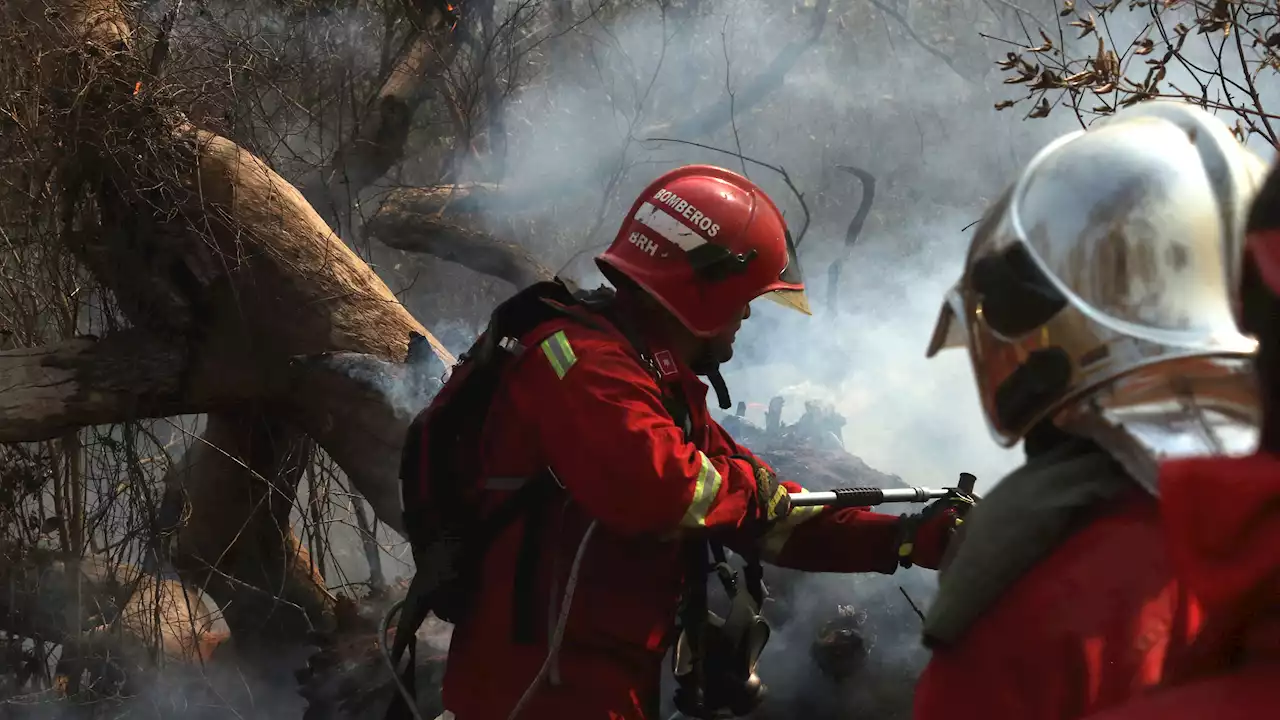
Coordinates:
[852,233]
[100,609]
[717,115]
[378,142]
[436,221]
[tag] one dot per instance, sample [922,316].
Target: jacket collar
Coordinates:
[672,370]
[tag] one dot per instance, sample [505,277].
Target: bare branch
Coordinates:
[924,44]
[378,143]
[853,232]
[770,79]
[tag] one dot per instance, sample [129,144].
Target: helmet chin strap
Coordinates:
[708,367]
[717,384]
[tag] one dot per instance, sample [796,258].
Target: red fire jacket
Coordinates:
[1222,524]
[579,401]
[1088,626]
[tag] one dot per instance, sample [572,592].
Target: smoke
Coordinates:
[881,684]
[865,92]
[407,387]
[939,153]
[929,136]
[907,415]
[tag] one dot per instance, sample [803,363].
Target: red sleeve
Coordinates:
[614,447]
[824,540]
[817,539]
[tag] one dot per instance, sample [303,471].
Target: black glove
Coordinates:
[924,537]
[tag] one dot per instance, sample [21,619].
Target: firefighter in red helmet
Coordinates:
[579,431]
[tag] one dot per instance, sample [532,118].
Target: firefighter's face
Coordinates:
[718,349]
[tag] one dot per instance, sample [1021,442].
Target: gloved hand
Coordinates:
[772,501]
[924,537]
[771,497]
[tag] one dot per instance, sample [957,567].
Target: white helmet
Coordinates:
[1116,250]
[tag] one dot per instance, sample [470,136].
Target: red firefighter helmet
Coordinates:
[705,242]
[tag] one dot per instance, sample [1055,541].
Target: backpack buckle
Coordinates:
[511,345]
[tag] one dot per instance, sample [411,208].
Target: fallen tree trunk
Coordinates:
[358,407]
[99,609]
[436,221]
[206,247]
[89,381]
[240,479]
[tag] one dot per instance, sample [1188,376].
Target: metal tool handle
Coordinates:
[869,496]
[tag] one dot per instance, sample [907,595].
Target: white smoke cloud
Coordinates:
[907,415]
[862,94]
[932,140]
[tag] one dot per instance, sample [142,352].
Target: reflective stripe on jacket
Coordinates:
[580,402]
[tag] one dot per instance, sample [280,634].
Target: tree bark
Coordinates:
[50,390]
[415,220]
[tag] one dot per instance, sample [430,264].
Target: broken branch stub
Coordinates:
[358,407]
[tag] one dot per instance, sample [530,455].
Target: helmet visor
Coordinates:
[792,294]
[949,331]
[790,274]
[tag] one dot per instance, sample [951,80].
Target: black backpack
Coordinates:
[442,491]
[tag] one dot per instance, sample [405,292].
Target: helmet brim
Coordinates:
[788,298]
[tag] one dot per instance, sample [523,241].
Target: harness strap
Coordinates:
[434,559]
[690,696]
[399,709]
[539,492]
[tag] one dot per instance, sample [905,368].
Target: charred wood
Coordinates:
[441,221]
